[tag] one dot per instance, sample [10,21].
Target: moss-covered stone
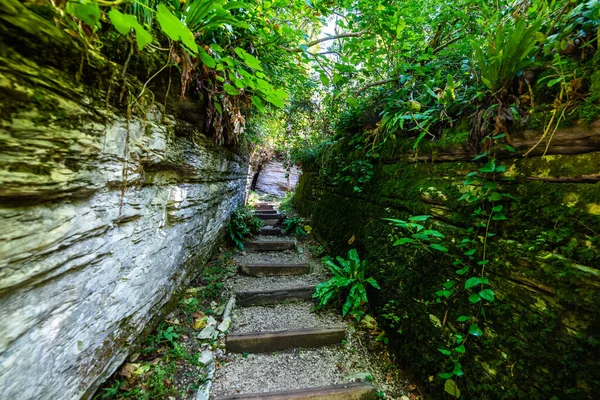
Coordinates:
[541,333]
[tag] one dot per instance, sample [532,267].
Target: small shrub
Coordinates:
[349,282]
[293,226]
[243,224]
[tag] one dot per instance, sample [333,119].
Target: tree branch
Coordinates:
[448,43]
[318,41]
[376,83]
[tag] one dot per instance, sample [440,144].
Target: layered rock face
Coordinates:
[103,217]
[275,179]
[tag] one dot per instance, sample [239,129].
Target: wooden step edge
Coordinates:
[266,342]
[266,217]
[270,222]
[268,269]
[266,212]
[270,245]
[344,391]
[269,297]
[270,231]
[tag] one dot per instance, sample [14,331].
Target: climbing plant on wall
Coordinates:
[470,287]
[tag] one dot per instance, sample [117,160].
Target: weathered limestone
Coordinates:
[102,220]
[275,179]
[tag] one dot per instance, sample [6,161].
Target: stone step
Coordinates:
[270,245]
[268,216]
[266,206]
[274,269]
[266,212]
[267,342]
[269,231]
[269,297]
[270,222]
[344,391]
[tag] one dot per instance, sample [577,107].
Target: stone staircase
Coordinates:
[279,348]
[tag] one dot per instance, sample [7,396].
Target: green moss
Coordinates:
[540,333]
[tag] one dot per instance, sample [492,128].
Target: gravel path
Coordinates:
[281,317]
[305,368]
[270,256]
[358,358]
[253,284]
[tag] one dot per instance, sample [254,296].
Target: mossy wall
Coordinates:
[541,335]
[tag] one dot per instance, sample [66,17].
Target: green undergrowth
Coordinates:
[166,364]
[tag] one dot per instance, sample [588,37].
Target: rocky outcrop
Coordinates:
[103,217]
[274,178]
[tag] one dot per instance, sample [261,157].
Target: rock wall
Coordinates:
[275,179]
[103,217]
[541,336]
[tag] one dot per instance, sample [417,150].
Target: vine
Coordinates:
[470,286]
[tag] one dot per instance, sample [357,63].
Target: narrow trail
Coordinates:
[278,348]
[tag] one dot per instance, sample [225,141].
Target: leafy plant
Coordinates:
[295,226]
[243,224]
[469,286]
[507,52]
[349,283]
[112,391]
[169,335]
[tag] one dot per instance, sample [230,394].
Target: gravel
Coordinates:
[253,284]
[288,256]
[282,317]
[270,238]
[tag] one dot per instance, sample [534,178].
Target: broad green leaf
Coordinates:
[87,11]
[248,59]
[487,294]
[462,271]
[231,90]
[458,370]
[474,298]
[419,218]
[445,352]
[438,247]
[489,167]
[175,29]
[373,283]
[474,330]
[324,79]
[446,375]
[402,241]
[433,232]
[464,318]
[474,281]
[124,23]
[460,349]
[258,103]
[451,388]
[485,153]
[206,58]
